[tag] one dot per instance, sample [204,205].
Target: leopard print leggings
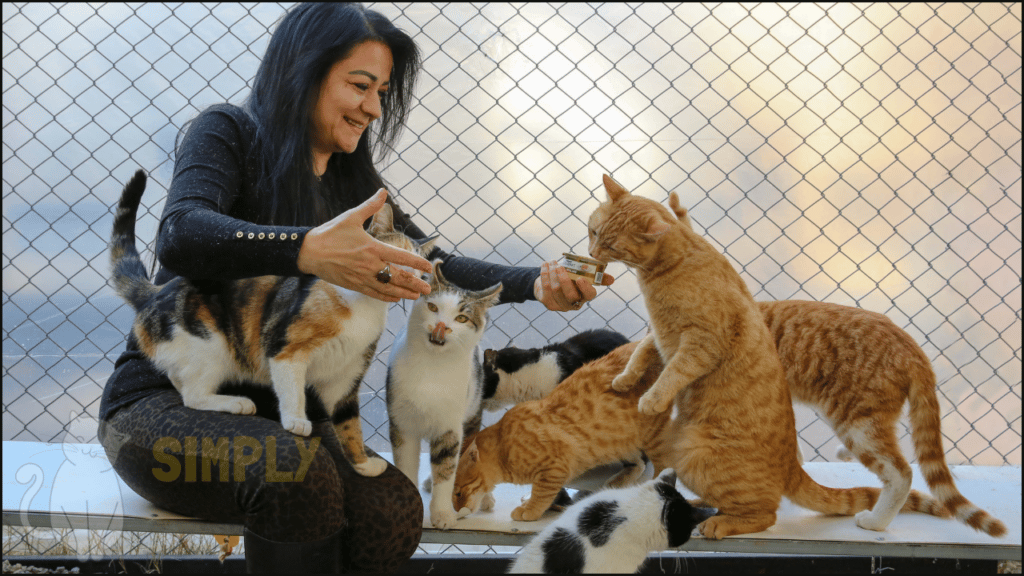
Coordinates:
[249,470]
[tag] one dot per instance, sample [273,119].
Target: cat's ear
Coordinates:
[427,244]
[472,453]
[655,230]
[613,188]
[681,213]
[383,221]
[489,296]
[436,278]
[668,476]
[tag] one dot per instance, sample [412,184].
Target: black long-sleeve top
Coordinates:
[212,209]
[211,231]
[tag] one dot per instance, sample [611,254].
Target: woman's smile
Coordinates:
[350,98]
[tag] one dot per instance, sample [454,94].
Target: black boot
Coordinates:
[264,556]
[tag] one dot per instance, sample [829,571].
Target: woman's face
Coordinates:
[349,100]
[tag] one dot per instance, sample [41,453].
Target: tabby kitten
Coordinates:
[288,333]
[435,382]
[734,434]
[513,374]
[613,531]
[581,424]
[857,369]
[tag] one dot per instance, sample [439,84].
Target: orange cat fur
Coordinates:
[857,369]
[734,433]
[581,424]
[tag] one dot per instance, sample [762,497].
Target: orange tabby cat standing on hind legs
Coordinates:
[734,432]
[857,369]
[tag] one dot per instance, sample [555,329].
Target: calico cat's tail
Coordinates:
[926,431]
[127,270]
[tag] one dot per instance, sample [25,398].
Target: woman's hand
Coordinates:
[342,253]
[556,289]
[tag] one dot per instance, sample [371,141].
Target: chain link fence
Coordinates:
[867,155]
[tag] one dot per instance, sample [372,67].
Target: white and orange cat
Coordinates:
[857,369]
[288,333]
[734,430]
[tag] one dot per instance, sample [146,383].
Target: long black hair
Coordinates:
[308,41]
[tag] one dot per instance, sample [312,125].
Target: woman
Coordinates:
[294,164]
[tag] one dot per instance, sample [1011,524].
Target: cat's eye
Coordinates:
[432,307]
[462,318]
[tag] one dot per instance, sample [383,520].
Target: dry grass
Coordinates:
[21,541]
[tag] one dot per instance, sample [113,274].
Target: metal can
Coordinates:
[583,267]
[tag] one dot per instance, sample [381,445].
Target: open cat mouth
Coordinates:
[437,335]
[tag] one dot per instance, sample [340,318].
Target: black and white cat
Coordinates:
[613,531]
[514,375]
[435,384]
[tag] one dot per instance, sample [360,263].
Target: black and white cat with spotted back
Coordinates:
[613,531]
[514,375]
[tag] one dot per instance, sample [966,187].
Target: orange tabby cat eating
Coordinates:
[581,424]
[734,431]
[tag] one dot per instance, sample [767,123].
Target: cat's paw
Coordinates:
[623,382]
[652,403]
[845,455]
[299,426]
[523,514]
[868,521]
[372,467]
[713,528]
[229,404]
[246,406]
[443,519]
[428,484]
[487,504]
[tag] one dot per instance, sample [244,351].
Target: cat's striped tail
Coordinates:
[926,431]
[127,270]
[809,494]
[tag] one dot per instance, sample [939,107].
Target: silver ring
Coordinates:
[577,305]
[384,276]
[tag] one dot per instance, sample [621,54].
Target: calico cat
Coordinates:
[734,431]
[612,531]
[288,333]
[513,374]
[581,424]
[435,383]
[857,369]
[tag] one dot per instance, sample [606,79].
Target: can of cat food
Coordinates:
[583,267]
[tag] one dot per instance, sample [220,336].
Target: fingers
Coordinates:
[555,288]
[565,289]
[404,258]
[559,291]
[371,205]
[403,284]
[586,289]
[398,288]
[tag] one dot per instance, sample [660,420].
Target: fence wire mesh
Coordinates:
[867,155]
